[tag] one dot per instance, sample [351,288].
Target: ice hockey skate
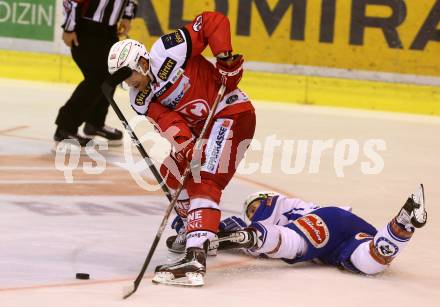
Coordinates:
[189,271]
[413,213]
[111,135]
[176,244]
[66,140]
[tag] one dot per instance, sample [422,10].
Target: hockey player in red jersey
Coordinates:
[175,86]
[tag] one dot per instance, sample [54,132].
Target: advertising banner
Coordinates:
[393,36]
[28,19]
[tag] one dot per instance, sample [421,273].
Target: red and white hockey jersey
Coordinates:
[185,84]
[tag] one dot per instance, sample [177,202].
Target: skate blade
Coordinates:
[419,196]
[190,280]
[419,213]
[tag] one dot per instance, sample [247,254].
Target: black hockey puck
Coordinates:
[82,276]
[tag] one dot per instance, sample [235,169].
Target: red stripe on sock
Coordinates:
[203,219]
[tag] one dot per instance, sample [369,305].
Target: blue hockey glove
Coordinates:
[232,223]
[177,224]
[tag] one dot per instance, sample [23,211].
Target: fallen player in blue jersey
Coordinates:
[295,231]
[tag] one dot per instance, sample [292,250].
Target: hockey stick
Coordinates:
[170,207]
[107,89]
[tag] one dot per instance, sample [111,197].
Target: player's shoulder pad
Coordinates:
[173,39]
[168,55]
[140,100]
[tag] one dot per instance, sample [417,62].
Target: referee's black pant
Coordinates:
[87,103]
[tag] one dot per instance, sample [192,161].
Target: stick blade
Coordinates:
[128,291]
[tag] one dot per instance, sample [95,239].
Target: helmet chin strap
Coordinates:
[146,73]
[143,72]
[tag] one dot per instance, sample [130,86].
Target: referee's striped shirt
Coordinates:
[106,12]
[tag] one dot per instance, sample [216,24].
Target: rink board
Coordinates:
[288,87]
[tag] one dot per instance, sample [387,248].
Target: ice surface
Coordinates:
[103,224]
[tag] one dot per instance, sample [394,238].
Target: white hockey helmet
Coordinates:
[248,212]
[127,53]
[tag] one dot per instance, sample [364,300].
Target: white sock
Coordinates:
[390,241]
[374,256]
[362,260]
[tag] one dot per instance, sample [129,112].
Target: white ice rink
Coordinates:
[103,224]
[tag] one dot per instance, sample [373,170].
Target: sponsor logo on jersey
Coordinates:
[182,207]
[314,228]
[124,54]
[385,247]
[141,97]
[232,99]
[177,94]
[194,220]
[203,218]
[176,77]
[216,143]
[197,26]
[362,236]
[163,90]
[166,69]
[198,234]
[194,111]
[173,39]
